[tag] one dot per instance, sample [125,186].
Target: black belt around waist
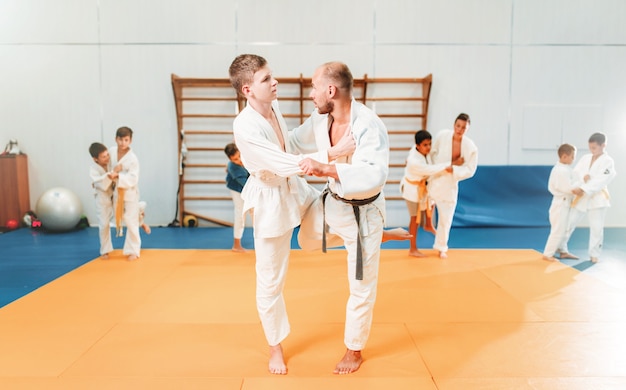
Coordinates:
[355,207]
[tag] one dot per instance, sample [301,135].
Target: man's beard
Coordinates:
[327,108]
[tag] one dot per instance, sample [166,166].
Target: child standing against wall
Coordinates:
[561,185]
[236,177]
[103,183]
[419,167]
[126,172]
[597,171]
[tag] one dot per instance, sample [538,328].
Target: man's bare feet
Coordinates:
[132,257]
[549,258]
[416,253]
[146,228]
[397,234]
[277,364]
[350,362]
[443,255]
[565,255]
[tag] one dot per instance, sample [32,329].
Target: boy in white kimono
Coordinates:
[419,167]
[561,185]
[449,146]
[102,181]
[595,170]
[126,174]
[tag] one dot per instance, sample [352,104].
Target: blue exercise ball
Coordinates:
[59,209]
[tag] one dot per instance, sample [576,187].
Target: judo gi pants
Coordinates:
[272,260]
[559,219]
[132,242]
[239,219]
[445,214]
[596,229]
[360,306]
[104,210]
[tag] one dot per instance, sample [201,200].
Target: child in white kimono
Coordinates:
[413,187]
[103,183]
[127,208]
[596,170]
[561,185]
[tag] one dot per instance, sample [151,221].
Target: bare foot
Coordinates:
[594,260]
[132,257]
[146,228]
[350,362]
[565,255]
[397,234]
[430,229]
[105,256]
[443,255]
[239,249]
[277,364]
[416,253]
[549,258]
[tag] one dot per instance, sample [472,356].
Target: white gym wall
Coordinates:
[531,73]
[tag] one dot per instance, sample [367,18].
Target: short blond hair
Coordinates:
[243,68]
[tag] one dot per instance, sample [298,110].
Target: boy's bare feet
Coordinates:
[594,260]
[416,253]
[277,364]
[105,256]
[565,255]
[237,246]
[132,257]
[398,234]
[549,258]
[430,229]
[350,362]
[443,255]
[146,228]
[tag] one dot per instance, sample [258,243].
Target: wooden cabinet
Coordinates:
[14,191]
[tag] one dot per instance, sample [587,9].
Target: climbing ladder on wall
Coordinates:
[205,109]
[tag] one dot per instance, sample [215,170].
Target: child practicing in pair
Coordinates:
[413,186]
[123,179]
[595,171]
[561,185]
[236,177]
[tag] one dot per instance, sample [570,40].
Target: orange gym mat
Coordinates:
[186,319]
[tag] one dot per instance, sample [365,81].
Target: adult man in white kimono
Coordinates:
[355,205]
[274,190]
[595,170]
[448,146]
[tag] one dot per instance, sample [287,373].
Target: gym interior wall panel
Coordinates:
[307,22]
[585,84]
[45,22]
[470,79]
[547,22]
[137,92]
[292,60]
[582,84]
[443,22]
[51,105]
[166,21]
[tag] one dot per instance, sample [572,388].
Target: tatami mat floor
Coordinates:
[186,319]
